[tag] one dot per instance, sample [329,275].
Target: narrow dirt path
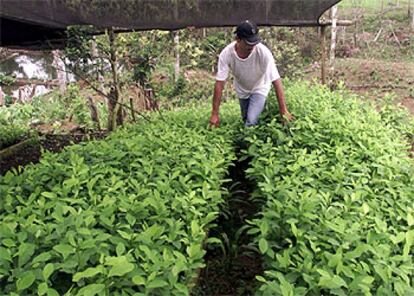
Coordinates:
[232,267]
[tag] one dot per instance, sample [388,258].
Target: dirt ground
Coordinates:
[49,142]
[374,79]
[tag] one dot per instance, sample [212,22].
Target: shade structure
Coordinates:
[37,23]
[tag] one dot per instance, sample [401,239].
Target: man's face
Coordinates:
[247,48]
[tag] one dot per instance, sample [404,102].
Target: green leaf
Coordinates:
[89,272]
[365,208]
[125,235]
[64,249]
[42,289]
[52,292]
[409,240]
[195,251]
[261,279]
[26,280]
[138,280]
[264,227]
[25,253]
[195,229]
[121,269]
[120,249]
[50,195]
[91,290]
[334,282]
[410,219]
[359,250]
[9,242]
[157,283]
[5,231]
[42,258]
[263,246]
[48,270]
[5,255]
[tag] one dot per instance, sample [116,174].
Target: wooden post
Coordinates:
[59,66]
[177,55]
[94,112]
[334,11]
[411,13]
[114,118]
[131,106]
[323,49]
[150,104]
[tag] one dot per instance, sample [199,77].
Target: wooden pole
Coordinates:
[94,112]
[59,66]
[131,106]
[177,55]
[113,106]
[323,50]
[334,11]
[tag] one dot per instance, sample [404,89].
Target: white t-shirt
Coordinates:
[253,74]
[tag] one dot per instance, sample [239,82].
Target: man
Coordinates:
[254,71]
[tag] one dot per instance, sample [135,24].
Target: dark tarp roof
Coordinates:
[29,23]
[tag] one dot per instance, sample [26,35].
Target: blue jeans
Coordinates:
[251,108]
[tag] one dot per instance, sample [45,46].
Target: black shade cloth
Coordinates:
[32,23]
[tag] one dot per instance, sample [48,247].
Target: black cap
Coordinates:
[248,31]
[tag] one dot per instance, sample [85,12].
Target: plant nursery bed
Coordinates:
[30,150]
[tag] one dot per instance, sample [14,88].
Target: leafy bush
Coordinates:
[10,135]
[125,216]
[337,193]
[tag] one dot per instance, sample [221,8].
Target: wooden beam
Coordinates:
[339,23]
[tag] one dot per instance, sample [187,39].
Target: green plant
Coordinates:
[337,187]
[124,216]
[10,135]
[6,79]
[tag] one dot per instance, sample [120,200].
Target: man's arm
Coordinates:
[218,91]
[280,94]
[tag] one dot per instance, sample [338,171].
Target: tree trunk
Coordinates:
[131,106]
[59,66]
[94,112]
[95,56]
[177,55]
[113,106]
[334,28]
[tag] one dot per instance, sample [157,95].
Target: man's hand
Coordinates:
[214,120]
[287,117]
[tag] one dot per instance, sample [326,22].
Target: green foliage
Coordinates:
[397,117]
[199,51]
[284,45]
[125,216]
[13,126]
[337,192]
[10,135]
[78,48]
[6,79]
[75,105]
[141,51]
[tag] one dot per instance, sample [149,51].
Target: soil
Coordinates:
[48,142]
[374,79]
[232,271]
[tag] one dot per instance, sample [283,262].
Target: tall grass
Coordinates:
[375,5]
